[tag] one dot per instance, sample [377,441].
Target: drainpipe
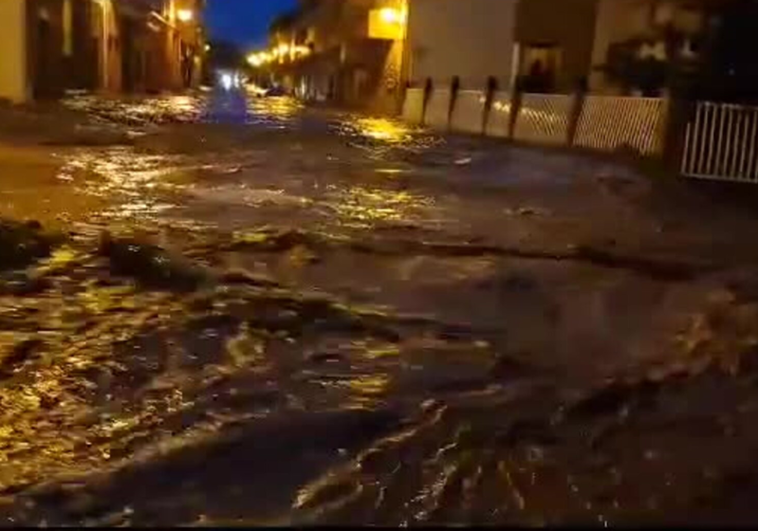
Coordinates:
[428,89]
[489,100]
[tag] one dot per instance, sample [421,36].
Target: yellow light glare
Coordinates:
[301,50]
[259,59]
[391,15]
[185,15]
[382,129]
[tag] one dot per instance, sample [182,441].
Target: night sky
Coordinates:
[243,21]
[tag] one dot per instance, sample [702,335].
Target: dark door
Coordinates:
[128,55]
[46,84]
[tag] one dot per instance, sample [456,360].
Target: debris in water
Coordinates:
[22,243]
[149,264]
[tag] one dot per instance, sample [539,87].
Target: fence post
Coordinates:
[455,85]
[577,107]
[400,105]
[515,109]
[677,114]
[488,101]
[428,88]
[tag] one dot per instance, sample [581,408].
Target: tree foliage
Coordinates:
[724,67]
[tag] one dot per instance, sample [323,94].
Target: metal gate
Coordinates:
[721,142]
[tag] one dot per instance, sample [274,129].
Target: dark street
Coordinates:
[240,311]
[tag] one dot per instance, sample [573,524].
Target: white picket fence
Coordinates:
[438,109]
[721,142]
[605,123]
[499,118]
[413,106]
[468,113]
[544,119]
[608,123]
[720,139]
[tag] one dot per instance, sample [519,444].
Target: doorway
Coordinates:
[539,67]
[46,81]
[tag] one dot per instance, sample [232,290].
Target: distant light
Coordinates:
[207,47]
[255,59]
[390,15]
[302,50]
[227,81]
[283,49]
[257,90]
[185,15]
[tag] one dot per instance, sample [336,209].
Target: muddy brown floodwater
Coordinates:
[237,311]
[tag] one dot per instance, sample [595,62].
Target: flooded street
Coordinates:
[238,311]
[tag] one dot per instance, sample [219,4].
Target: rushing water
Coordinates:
[304,317]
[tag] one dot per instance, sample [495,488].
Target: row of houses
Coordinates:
[341,50]
[51,46]
[365,52]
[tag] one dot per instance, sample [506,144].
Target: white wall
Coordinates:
[471,39]
[13,67]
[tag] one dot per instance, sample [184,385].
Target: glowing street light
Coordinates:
[391,15]
[258,59]
[227,81]
[185,15]
[255,60]
[302,50]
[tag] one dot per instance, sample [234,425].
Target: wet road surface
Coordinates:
[239,311]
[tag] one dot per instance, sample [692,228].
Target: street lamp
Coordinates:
[255,60]
[185,15]
[391,15]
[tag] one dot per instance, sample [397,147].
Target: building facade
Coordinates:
[635,41]
[369,50]
[472,41]
[604,46]
[361,51]
[347,51]
[481,42]
[50,46]
[557,36]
